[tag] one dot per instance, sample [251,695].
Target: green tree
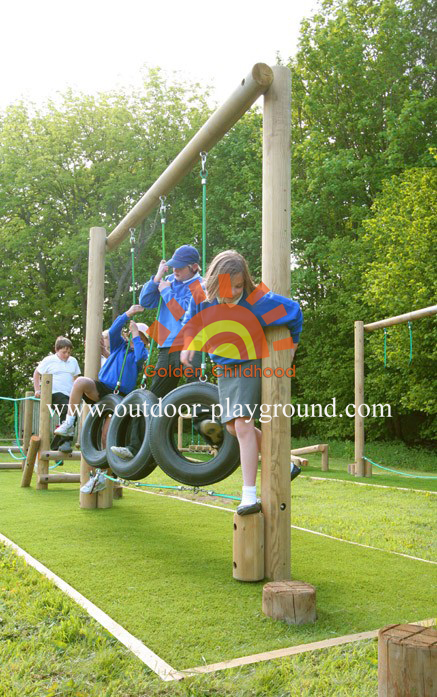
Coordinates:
[361,111]
[401,278]
[64,168]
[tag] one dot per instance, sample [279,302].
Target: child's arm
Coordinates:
[36,382]
[193,309]
[150,292]
[140,351]
[291,314]
[114,332]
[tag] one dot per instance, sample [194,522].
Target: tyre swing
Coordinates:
[195,468]
[131,423]
[92,430]
[94,425]
[192,468]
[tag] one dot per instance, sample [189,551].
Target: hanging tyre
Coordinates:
[126,424]
[92,430]
[171,447]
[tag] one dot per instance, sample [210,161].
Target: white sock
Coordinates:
[69,421]
[248,497]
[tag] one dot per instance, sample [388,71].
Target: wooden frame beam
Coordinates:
[253,86]
[400,319]
[361,468]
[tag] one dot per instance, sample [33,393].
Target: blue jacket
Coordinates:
[179,290]
[110,371]
[241,326]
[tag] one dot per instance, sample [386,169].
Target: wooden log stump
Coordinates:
[32,452]
[407,661]
[293,602]
[117,491]
[248,562]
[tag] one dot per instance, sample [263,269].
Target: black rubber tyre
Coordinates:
[91,435]
[120,430]
[164,443]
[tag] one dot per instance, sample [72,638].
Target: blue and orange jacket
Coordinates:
[178,290]
[110,371]
[239,328]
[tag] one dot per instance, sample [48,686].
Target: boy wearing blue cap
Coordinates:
[176,287]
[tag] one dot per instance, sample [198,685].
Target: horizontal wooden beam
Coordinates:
[253,86]
[12,448]
[309,449]
[10,466]
[400,319]
[301,461]
[58,455]
[61,478]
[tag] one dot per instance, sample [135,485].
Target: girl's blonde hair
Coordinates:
[228,262]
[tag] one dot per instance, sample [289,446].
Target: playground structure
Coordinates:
[39,446]
[274,84]
[275,487]
[322,448]
[361,467]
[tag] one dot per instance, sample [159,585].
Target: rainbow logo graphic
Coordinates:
[225,329]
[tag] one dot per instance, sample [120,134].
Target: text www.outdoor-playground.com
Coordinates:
[267,412]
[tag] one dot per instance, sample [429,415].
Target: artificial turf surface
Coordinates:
[162,567]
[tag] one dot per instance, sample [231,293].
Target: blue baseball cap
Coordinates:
[184,256]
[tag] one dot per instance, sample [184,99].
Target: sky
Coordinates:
[99,45]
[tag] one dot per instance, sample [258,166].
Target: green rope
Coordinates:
[117,387]
[20,399]
[17,438]
[203,177]
[404,474]
[132,249]
[162,211]
[410,329]
[15,400]
[193,489]
[134,302]
[385,347]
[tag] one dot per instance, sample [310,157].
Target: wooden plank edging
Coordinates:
[146,655]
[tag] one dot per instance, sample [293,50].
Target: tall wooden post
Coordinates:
[359,399]
[275,454]
[44,426]
[28,419]
[94,324]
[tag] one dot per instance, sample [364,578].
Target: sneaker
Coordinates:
[295,471]
[66,447]
[95,483]
[101,483]
[122,453]
[88,488]
[212,431]
[64,430]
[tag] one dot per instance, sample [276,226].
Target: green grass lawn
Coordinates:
[162,568]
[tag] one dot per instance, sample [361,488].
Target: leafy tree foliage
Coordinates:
[362,111]
[66,167]
[401,278]
[363,102]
